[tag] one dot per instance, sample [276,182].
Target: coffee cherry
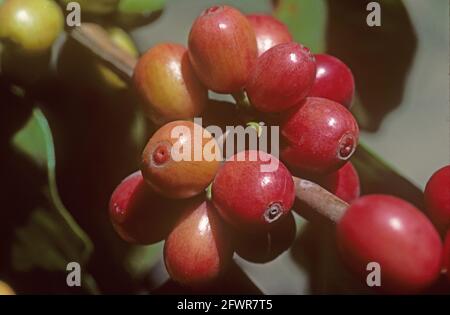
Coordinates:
[168,85]
[394,234]
[30,25]
[437,197]
[269,32]
[253,190]
[447,255]
[199,248]
[343,183]
[119,37]
[138,214]
[180,160]
[222,48]
[262,247]
[281,78]
[318,136]
[334,80]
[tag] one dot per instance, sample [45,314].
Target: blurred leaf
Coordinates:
[50,238]
[95,6]
[306,20]
[141,258]
[379,177]
[380,74]
[141,6]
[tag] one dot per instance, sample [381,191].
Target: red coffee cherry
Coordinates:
[281,78]
[318,136]
[343,183]
[394,234]
[199,248]
[249,194]
[334,80]
[138,214]
[167,84]
[447,255]
[262,247]
[222,48]
[180,160]
[437,197]
[269,32]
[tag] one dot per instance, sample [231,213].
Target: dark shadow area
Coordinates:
[380,57]
[234,281]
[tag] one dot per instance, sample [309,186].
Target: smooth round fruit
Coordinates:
[262,247]
[119,37]
[343,183]
[138,214]
[269,32]
[437,197]
[222,48]
[31,25]
[180,160]
[394,234]
[199,248]
[334,80]
[447,255]
[318,136]
[281,78]
[167,84]
[5,289]
[253,190]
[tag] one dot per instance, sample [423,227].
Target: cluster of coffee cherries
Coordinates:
[207,209]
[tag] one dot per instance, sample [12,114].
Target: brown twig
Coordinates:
[96,39]
[319,199]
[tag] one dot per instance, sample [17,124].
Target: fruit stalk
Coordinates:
[95,38]
[320,200]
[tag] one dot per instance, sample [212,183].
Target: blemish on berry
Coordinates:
[273,212]
[161,154]
[347,146]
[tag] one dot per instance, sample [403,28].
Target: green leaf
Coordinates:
[140,259]
[50,238]
[306,20]
[140,6]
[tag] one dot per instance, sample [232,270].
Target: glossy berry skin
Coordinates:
[318,136]
[343,183]
[180,176]
[437,197]
[222,48]
[262,247]
[138,214]
[269,31]
[281,78]
[31,25]
[167,84]
[199,248]
[447,255]
[250,197]
[396,235]
[334,80]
